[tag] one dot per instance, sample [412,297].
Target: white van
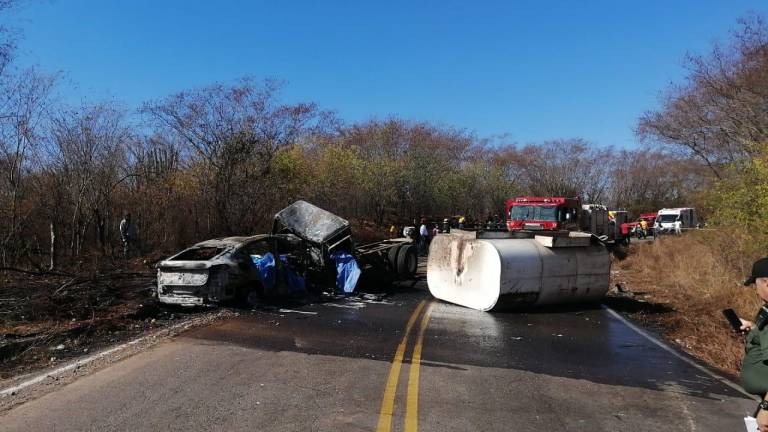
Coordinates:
[666,218]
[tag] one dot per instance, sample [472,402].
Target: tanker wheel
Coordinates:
[392,257]
[407,261]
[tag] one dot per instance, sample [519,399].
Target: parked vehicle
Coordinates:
[304,252]
[650,219]
[667,217]
[618,220]
[548,214]
[594,219]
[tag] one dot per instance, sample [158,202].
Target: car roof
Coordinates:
[225,242]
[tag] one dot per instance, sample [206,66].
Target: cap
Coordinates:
[759,270]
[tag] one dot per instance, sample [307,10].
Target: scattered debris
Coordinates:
[297,311]
[348,305]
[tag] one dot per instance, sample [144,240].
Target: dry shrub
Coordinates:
[698,275]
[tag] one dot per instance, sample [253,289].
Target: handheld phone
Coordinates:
[733,320]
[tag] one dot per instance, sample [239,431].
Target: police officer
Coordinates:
[754,367]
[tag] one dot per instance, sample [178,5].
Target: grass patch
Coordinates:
[679,285]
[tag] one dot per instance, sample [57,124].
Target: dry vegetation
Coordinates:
[684,283]
[46,318]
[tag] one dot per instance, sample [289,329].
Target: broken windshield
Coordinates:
[536,213]
[668,218]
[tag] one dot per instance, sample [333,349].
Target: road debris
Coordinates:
[296,311]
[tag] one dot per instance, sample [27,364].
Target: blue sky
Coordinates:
[533,70]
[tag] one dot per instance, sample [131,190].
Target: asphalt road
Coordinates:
[347,366]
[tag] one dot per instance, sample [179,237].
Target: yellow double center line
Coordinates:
[412,401]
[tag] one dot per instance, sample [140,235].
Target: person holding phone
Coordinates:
[754,367]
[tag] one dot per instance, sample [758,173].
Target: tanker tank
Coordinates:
[495,271]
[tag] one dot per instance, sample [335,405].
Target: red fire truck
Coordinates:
[536,213]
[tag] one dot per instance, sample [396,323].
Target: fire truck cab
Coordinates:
[536,213]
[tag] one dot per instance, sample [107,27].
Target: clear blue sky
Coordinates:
[535,70]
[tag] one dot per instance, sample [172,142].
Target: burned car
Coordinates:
[223,269]
[309,249]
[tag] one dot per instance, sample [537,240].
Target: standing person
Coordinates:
[678,227]
[643,228]
[432,229]
[423,237]
[754,367]
[461,222]
[392,231]
[127,235]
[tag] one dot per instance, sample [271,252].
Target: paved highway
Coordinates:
[405,364]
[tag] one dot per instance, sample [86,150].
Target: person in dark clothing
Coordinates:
[127,235]
[754,367]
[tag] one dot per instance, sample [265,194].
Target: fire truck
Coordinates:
[558,213]
[550,214]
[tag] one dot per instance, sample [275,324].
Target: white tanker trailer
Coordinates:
[492,271]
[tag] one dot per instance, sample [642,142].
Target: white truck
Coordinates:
[666,218]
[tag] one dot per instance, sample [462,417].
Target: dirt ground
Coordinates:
[50,317]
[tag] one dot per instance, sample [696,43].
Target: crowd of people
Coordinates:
[424,229]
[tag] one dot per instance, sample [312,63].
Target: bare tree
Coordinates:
[232,133]
[645,180]
[22,110]
[570,167]
[719,115]
[87,152]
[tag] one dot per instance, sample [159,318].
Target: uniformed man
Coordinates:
[754,367]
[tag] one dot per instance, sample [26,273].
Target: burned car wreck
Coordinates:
[309,250]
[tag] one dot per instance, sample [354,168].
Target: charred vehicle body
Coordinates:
[222,269]
[309,249]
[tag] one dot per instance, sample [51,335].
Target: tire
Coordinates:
[392,257]
[407,261]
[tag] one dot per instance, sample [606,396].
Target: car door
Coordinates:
[253,249]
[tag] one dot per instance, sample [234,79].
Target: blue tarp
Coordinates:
[265,265]
[294,281]
[347,271]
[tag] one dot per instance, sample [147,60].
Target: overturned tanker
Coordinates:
[493,271]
